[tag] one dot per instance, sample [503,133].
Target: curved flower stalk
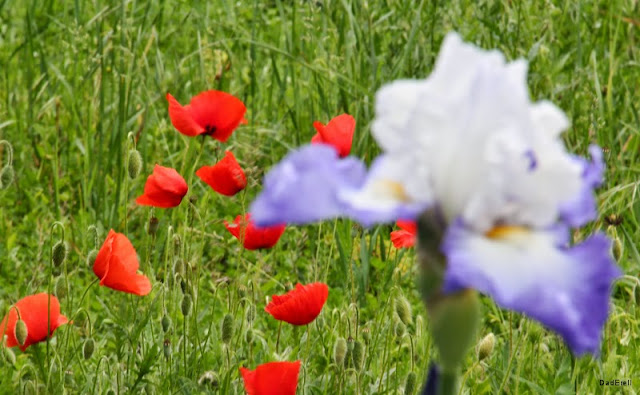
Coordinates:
[498,191]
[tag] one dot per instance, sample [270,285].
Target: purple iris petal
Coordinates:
[583,208]
[303,187]
[566,289]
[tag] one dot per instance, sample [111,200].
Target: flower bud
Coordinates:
[166,348]
[340,351]
[135,163]
[166,323]
[486,345]
[6,176]
[210,379]
[91,257]
[21,332]
[410,384]
[251,312]
[59,253]
[88,348]
[399,328]
[357,355]
[61,287]
[248,336]
[227,329]
[403,309]
[366,335]
[186,305]
[9,355]
[153,226]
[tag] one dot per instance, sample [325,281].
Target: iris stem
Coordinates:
[448,382]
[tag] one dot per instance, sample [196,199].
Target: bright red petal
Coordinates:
[273,378]
[252,237]
[33,311]
[339,133]
[235,227]
[407,236]
[116,266]
[409,226]
[121,279]
[225,177]
[164,188]
[301,305]
[101,265]
[182,119]
[218,113]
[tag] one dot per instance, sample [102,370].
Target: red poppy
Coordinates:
[406,237]
[253,237]
[225,177]
[337,133]
[299,306]
[164,188]
[116,266]
[273,378]
[33,311]
[213,113]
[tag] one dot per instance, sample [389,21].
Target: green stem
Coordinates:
[448,383]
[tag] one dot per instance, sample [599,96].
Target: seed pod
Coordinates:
[6,176]
[166,348]
[21,332]
[227,329]
[88,348]
[357,355]
[61,287]
[410,384]
[59,253]
[403,309]
[91,257]
[153,225]
[210,379]
[419,326]
[366,335]
[186,305]
[251,312]
[166,323]
[340,351]
[135,163]
[485,347]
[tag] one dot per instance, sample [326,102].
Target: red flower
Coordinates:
[252,237]
[406,237]
[116,266]
[273,378]
[33,311]
[337,133]
[212,113]
[164,188]
[225,177]
[299,306]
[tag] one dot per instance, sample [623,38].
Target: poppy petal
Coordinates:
[406,237]
[253,237]
[218,113]
[272,378]
[337,133]
[301,305]
[164,188]
[181,118]
[225,177]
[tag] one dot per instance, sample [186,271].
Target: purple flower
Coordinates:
[583,208]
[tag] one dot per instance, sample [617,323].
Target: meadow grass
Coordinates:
[76,77]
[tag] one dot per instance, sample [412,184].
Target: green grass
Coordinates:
[77,77]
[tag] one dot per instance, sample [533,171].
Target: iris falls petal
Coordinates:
[565,288]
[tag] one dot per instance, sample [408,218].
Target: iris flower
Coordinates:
[468,144]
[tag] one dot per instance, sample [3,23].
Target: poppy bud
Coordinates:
[400,328]
[183,285]
[248,336]
[9,355]
[88,348]
[186,305]
[403,309]
[227,329]
[348,358]
[209,378]
[357,355]
[6,176]
[485,347]
[166,323]
[251,313]
[177,243]
[135,163]
[59,253]
[91,257]
[21,332]
[410,384]
[242,291]
[166,348]
[153,226]
[366,335]
[61,287]
[340,351]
